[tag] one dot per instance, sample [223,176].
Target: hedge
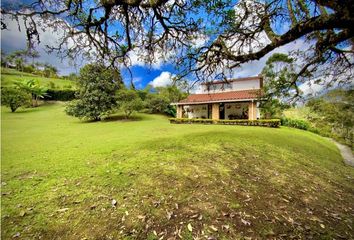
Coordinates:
[60,94]
[295,123]
[243,122]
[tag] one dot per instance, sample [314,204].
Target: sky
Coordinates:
[158,74]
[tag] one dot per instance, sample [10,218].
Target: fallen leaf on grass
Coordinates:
[247,223]
[169,214]
[16,235]
[322,225]
[225,227]
[189,226]
[316,219]
[63,210]
[213,228]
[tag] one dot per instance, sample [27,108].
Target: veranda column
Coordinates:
[179,111]
[215,111]
[252,111]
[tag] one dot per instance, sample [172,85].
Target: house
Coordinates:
[232,99]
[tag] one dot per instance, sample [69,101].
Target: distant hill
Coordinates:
[9,76]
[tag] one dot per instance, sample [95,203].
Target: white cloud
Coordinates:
[163,80]
[12,39]
[137,59]
[254,68]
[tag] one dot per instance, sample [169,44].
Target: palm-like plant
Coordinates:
[34,89]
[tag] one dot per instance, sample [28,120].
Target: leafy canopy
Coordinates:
[129,101]
[96,94]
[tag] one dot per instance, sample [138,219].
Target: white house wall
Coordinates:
[246,85]
[232,86]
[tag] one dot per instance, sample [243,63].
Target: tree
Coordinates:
[159,101]
[13,98]
[129,101]
[33,54]
[32,87]
[97,93]
[222,37]
[279,88]
[19,63]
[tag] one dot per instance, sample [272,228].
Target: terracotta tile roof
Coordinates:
[224,96]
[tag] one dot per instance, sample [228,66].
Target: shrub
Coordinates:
[60,94]
[171,110]
[14,98]
[29,69]
[295,123]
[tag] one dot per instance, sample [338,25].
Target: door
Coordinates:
[222,111]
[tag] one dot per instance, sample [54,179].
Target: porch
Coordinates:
[219,110]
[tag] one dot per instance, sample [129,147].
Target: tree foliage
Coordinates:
[129,101]
[14,98]
[96,95]
[204,38]
[279,87]
[160,99]
[279,77]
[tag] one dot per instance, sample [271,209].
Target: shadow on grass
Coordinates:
[115,118]
[29,109]
[122,118]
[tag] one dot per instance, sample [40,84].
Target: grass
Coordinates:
[9,76]
[60,175]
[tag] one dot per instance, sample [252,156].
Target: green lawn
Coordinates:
[60,175]
[9,76]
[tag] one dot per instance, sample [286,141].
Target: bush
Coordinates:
[295,123]
[171,110]
[29,69]
[244,122]
[14,98]
[60,95]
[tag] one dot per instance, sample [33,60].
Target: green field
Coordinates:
[60,175]
[9,76]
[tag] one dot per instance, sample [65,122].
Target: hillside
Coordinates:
[60,176]
[9,76]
